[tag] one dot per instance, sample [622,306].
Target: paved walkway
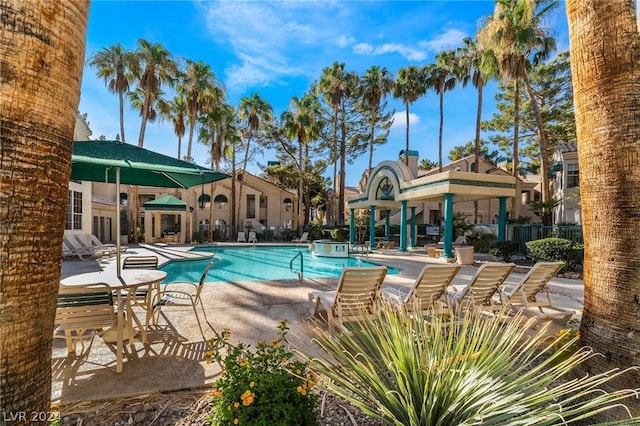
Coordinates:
[174,357]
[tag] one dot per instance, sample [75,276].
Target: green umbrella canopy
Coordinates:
[168,202]
[96,161]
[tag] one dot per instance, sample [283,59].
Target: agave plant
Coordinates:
[424,369]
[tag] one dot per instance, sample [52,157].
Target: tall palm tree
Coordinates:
[442,77]
[176,111]
[152,68]
[198,83]
[301,123]
[113,65]
[517,39]
[375,85]
[604,52]
[479,68]
[409,86]
[332,86]
[218,130]
[36,136]
[253,113]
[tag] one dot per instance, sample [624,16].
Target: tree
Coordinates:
[42,54]
[176,111]
[442,77]
[152,67]
[198,84]
[426,164]
[409,86]
[605,67]
[254,113]
[462,151]
[113,65]
[374,86]
[517,38]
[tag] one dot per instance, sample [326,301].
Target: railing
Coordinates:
[529,232]
[301,271]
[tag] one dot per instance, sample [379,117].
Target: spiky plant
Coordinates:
[438,370]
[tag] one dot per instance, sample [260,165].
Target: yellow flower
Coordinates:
[277,345]
[299,389]
[261,342]
[235,421]
[229,407]
[236,404]
[304,391]
[246,402]
[274,341]
[252,384]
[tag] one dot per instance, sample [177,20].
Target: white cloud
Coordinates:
[363,49]
[447,40]
[343,41]
[400,120]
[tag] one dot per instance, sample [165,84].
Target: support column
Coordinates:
[502,218]
[448,226]
[372,227]
[352,226]
[412,235]
[403,226]
[387,225]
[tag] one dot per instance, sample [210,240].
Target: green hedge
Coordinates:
[557,249]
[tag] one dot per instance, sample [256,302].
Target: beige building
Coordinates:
[565,173]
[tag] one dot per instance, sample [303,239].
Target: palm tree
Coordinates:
[152,68]
[301,123]
[254,112]
[604,52]
[517,39]
[197,84]
[441,77]
[375,85]
[479,68]
[36,136]
[332,87]
[176,111]
[410,85]
[113,65]
[218,130]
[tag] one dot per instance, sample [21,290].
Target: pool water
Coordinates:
[256,263]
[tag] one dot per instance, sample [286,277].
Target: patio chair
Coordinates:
[86,242]
[83,309]
[533,285]
[252,237]
[356,295]
[81,251]
[478,295]
[428,291]
[182,293]
[241,238]
[141,297]
[303,239]
[96,242]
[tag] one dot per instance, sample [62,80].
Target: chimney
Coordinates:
[413,161]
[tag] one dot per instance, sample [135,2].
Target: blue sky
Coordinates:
[278,49]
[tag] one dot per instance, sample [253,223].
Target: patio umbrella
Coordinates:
[117,162]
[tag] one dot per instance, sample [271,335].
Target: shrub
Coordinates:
[482,243]
[557,249]
[340,234]
[504,249]
[416,369]
[199,237]
[261,387]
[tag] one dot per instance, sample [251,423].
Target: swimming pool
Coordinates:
[259,264]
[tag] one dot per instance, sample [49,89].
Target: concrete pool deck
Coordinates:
[173,358]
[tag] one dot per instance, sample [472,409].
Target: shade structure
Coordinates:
[167,203]
[117,162]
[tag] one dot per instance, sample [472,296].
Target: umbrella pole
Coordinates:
[118,221]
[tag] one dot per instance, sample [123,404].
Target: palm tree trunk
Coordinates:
[121,98]
[440,131]
[234,229]
[476,157]
[210,230]
[42,49]
[606,77]
[179,146]
[372,135]
[334,204]
[191,129]
[244,172]
[406,152]
[515,209]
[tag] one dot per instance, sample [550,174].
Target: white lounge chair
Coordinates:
[252,237]
[478,295]
[428,290]
[241,237]
[96,242]
[86,242]
[357,294]
[303,239]
[79,250]
[532,291]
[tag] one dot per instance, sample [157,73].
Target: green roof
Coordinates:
[168,202]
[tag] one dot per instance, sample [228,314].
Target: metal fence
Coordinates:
[522,234]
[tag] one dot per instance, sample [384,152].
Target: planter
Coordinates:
[464,255]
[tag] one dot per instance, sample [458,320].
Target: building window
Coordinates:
[573,175]
[74,211]
[251,206]
[263,202]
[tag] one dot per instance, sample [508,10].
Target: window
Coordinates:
[251,206]
[74,211]
[263,202]
[573,175]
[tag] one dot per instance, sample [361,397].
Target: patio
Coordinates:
[173,358]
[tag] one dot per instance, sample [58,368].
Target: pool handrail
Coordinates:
[301,271]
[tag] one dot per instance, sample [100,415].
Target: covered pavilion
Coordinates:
[392,185]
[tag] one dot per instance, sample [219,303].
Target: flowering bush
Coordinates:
[265,386]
